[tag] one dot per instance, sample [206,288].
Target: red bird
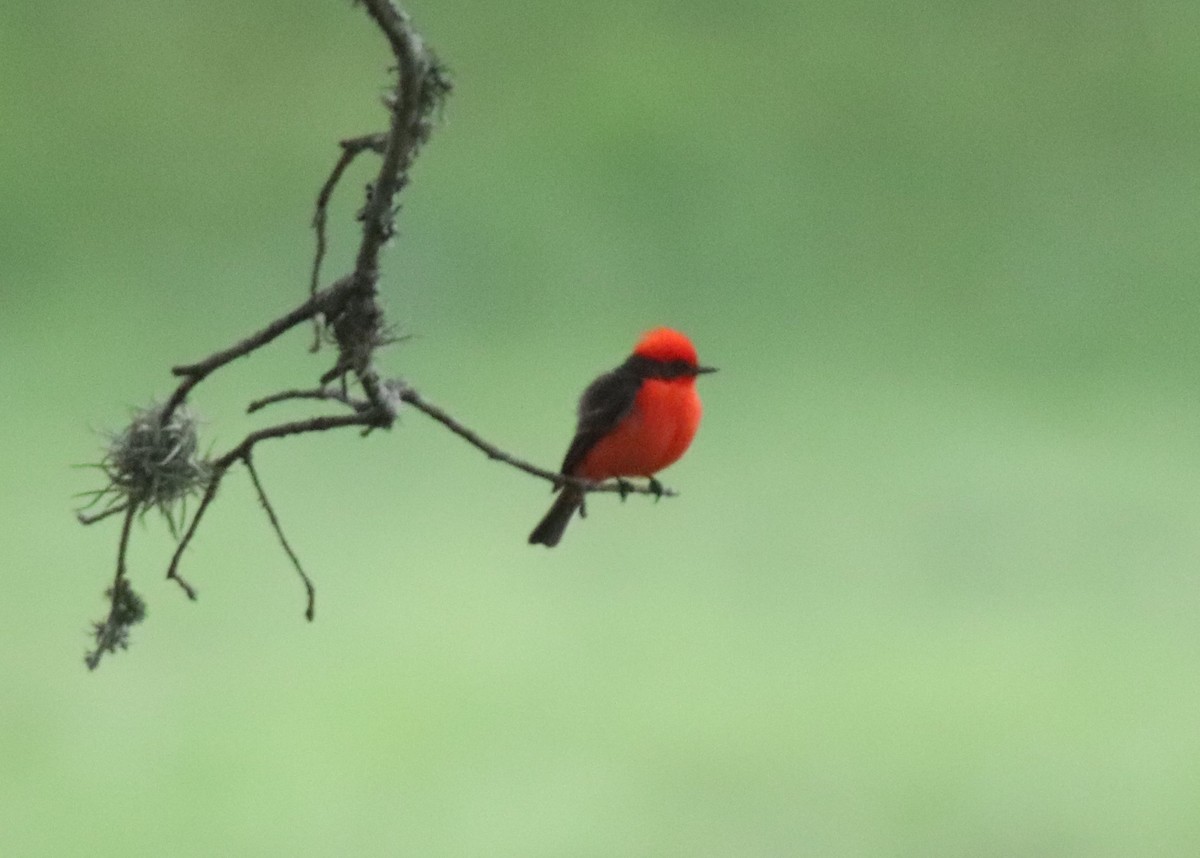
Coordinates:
[633,422]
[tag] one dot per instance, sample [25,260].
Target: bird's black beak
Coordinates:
[701,370]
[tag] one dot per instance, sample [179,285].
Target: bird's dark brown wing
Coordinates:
[603,405]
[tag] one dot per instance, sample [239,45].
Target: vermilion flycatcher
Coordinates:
[633,422]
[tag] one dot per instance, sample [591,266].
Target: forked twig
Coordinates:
[195,373]
[352,147]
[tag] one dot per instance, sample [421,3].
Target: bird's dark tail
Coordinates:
[550,529]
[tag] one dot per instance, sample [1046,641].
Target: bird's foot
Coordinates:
[624,487]
[656,489]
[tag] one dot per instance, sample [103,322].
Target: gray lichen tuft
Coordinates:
[154,465]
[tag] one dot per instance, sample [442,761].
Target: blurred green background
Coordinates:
[932,586]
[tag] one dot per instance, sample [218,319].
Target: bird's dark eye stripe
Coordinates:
[645,367]
[677,369]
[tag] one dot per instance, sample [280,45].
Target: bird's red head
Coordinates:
[666,345]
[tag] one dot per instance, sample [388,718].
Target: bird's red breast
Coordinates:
[656,432]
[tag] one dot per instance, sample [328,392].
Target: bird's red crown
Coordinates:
[664,344]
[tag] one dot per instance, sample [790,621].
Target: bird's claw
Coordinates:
[656,489]
[624,487]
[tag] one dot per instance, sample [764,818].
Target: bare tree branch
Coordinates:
[348,311]
[420,87]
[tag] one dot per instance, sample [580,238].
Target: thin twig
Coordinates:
[210,492]
[323,423]
[352,147]
[123,544]
[410,396]
[266,505]
[108,628]
[100,516]
[195,373]
[319,393]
